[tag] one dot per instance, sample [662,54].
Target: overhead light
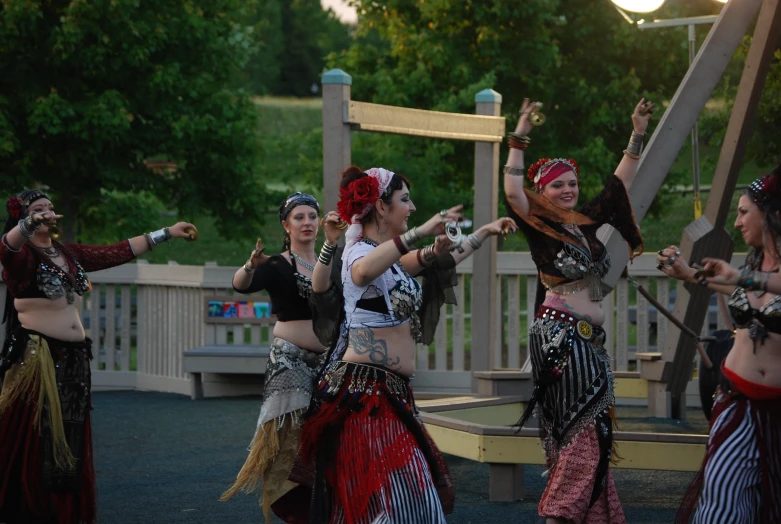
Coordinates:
[639,6]
[722,1]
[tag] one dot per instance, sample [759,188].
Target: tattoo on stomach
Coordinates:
[363,343]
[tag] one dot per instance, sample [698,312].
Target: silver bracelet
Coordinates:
[24,228]
[474,241]
[514,171]
[411,237]
[635,146]
[160,236]
[8,246]
[248,268]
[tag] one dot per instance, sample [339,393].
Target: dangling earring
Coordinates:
[377,221]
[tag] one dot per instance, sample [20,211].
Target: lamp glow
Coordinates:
[722,1]
[639,6]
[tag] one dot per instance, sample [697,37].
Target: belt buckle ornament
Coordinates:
[584,329]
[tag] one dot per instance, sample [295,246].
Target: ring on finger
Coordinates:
[672,260]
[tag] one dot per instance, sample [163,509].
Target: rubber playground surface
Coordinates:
[163,458]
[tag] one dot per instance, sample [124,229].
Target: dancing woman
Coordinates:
[372,459]
[294,360]
[573,383]
[740,480]
[46,468]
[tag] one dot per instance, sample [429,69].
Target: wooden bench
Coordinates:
[221,357]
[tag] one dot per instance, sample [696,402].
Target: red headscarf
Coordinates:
[546,170]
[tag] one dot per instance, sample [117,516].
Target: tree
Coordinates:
[89,91]
[579,57]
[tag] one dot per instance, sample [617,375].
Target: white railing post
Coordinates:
[336,133]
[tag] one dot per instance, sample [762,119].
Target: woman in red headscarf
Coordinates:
[573,384]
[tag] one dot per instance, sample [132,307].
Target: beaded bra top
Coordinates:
[759,321]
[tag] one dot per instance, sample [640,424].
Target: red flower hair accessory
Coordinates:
[545,170]
[357,198]
[15,208]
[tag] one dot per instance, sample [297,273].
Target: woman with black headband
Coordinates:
[46,469]
[740,480]
[295,358]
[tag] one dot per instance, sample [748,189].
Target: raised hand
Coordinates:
[333,227]
[436,224]
[671,264]
[642,115]
[524,126]
[47,218]
[718,271]
[258,256]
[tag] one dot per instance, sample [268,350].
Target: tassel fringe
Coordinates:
[36,373]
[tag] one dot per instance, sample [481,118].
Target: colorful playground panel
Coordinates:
[230,310]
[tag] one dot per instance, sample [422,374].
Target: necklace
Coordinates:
[303,262]
[51,251]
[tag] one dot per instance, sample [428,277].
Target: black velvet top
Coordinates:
[278,277]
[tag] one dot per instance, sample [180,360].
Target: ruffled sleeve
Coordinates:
[438,283]
[327,307]
[612,206]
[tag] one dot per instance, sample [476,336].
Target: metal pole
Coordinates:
[695,137]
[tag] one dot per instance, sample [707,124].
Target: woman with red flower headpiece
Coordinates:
[740,479]
[573,383]
[363,449]
[46,470]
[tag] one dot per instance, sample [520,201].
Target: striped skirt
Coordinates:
[367,455]
[740,480]
[573,398]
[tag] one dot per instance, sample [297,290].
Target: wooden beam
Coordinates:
[418,122]
[679,118]
[485,314]
[336,134]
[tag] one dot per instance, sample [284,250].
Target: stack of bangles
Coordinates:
[516,141]
[426,255]
[326,253]
[27,226]
[635,146]
[753,280]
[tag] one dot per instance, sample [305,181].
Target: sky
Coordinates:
[342,10]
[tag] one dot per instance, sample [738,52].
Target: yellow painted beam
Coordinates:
[455,442]
[659,456]
[631,388]
[418,122]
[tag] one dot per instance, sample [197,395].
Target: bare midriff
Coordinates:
[390,347]
[578,304]
[762,366]
[300,333]
[53,318]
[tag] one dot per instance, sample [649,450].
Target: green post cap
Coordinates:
[337,76]
[488,95]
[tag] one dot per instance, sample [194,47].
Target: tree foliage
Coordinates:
[294,38]
[580,58]
[91,90]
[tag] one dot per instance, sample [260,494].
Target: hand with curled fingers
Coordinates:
[436,224]
[442,245]
[333,227]
[258,256]
[716,271]
[524,125]
[670,263]
[642,115]
[184,230]
[46,218]
[503,226]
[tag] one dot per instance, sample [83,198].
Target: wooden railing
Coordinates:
[141,318]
